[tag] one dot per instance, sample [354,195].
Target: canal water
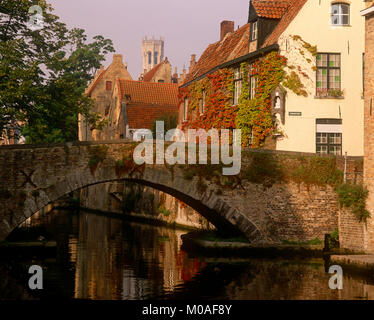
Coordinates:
[100,257]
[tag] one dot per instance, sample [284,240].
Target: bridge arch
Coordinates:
[47,183]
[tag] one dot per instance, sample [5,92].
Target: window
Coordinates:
[252,82]
[254,31]
[202,103]
[329,136]
[160,81]
[237,85]
[328,72]
[149,57]
[329,143]
[185,110]
[340,14]
[108,85]
[156,57]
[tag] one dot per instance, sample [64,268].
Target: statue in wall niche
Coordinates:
[277,103]
[278,98]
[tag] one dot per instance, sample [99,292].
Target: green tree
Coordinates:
[43,73]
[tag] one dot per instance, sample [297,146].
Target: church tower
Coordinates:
[152,53]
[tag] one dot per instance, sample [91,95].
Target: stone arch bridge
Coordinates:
[255,203]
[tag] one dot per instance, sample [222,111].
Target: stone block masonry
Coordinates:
[264,202]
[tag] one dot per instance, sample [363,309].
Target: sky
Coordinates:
[187,26]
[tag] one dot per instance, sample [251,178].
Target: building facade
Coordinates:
[137,105]
[161,73]
[316,100]
[100,89]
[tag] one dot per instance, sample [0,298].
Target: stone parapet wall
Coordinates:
[260,202]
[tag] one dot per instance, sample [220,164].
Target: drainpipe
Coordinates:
[345,167]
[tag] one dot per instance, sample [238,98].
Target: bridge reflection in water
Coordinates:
[105,258]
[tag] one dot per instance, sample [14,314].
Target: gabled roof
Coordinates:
[150,93]
[294,8]
[232,46]
[94,84]
[272,9]
[150,74]
[236,44]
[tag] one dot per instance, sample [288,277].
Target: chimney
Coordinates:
[192,62]
[174,78]
[175,75]
[226,27]
[183,76]
[117,59]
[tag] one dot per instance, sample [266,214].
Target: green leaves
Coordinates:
[354,197]
[43,74]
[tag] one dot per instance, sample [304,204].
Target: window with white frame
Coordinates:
[237,85]
[340,14]
[252,81]
[254,32]
[253,84]
[185,109]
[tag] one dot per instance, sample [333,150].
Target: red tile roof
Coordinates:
[150,74]
[234,45]
[294,8]
[142,116]
[273,9]
[163,94]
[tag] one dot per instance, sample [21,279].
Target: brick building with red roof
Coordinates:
[137,104]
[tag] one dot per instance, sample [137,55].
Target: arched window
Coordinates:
[340,14]
[149,57]
[156,57]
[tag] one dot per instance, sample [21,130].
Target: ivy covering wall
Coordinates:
[252,116]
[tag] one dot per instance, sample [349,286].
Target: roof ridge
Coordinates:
[234,44]
[147,77]
[149,83]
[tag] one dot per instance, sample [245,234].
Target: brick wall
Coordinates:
[352,232]
[369,129]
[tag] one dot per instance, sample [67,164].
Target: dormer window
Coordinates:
[340,14]
[254,31]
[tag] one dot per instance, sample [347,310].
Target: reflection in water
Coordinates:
[115,260]
[106,258]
